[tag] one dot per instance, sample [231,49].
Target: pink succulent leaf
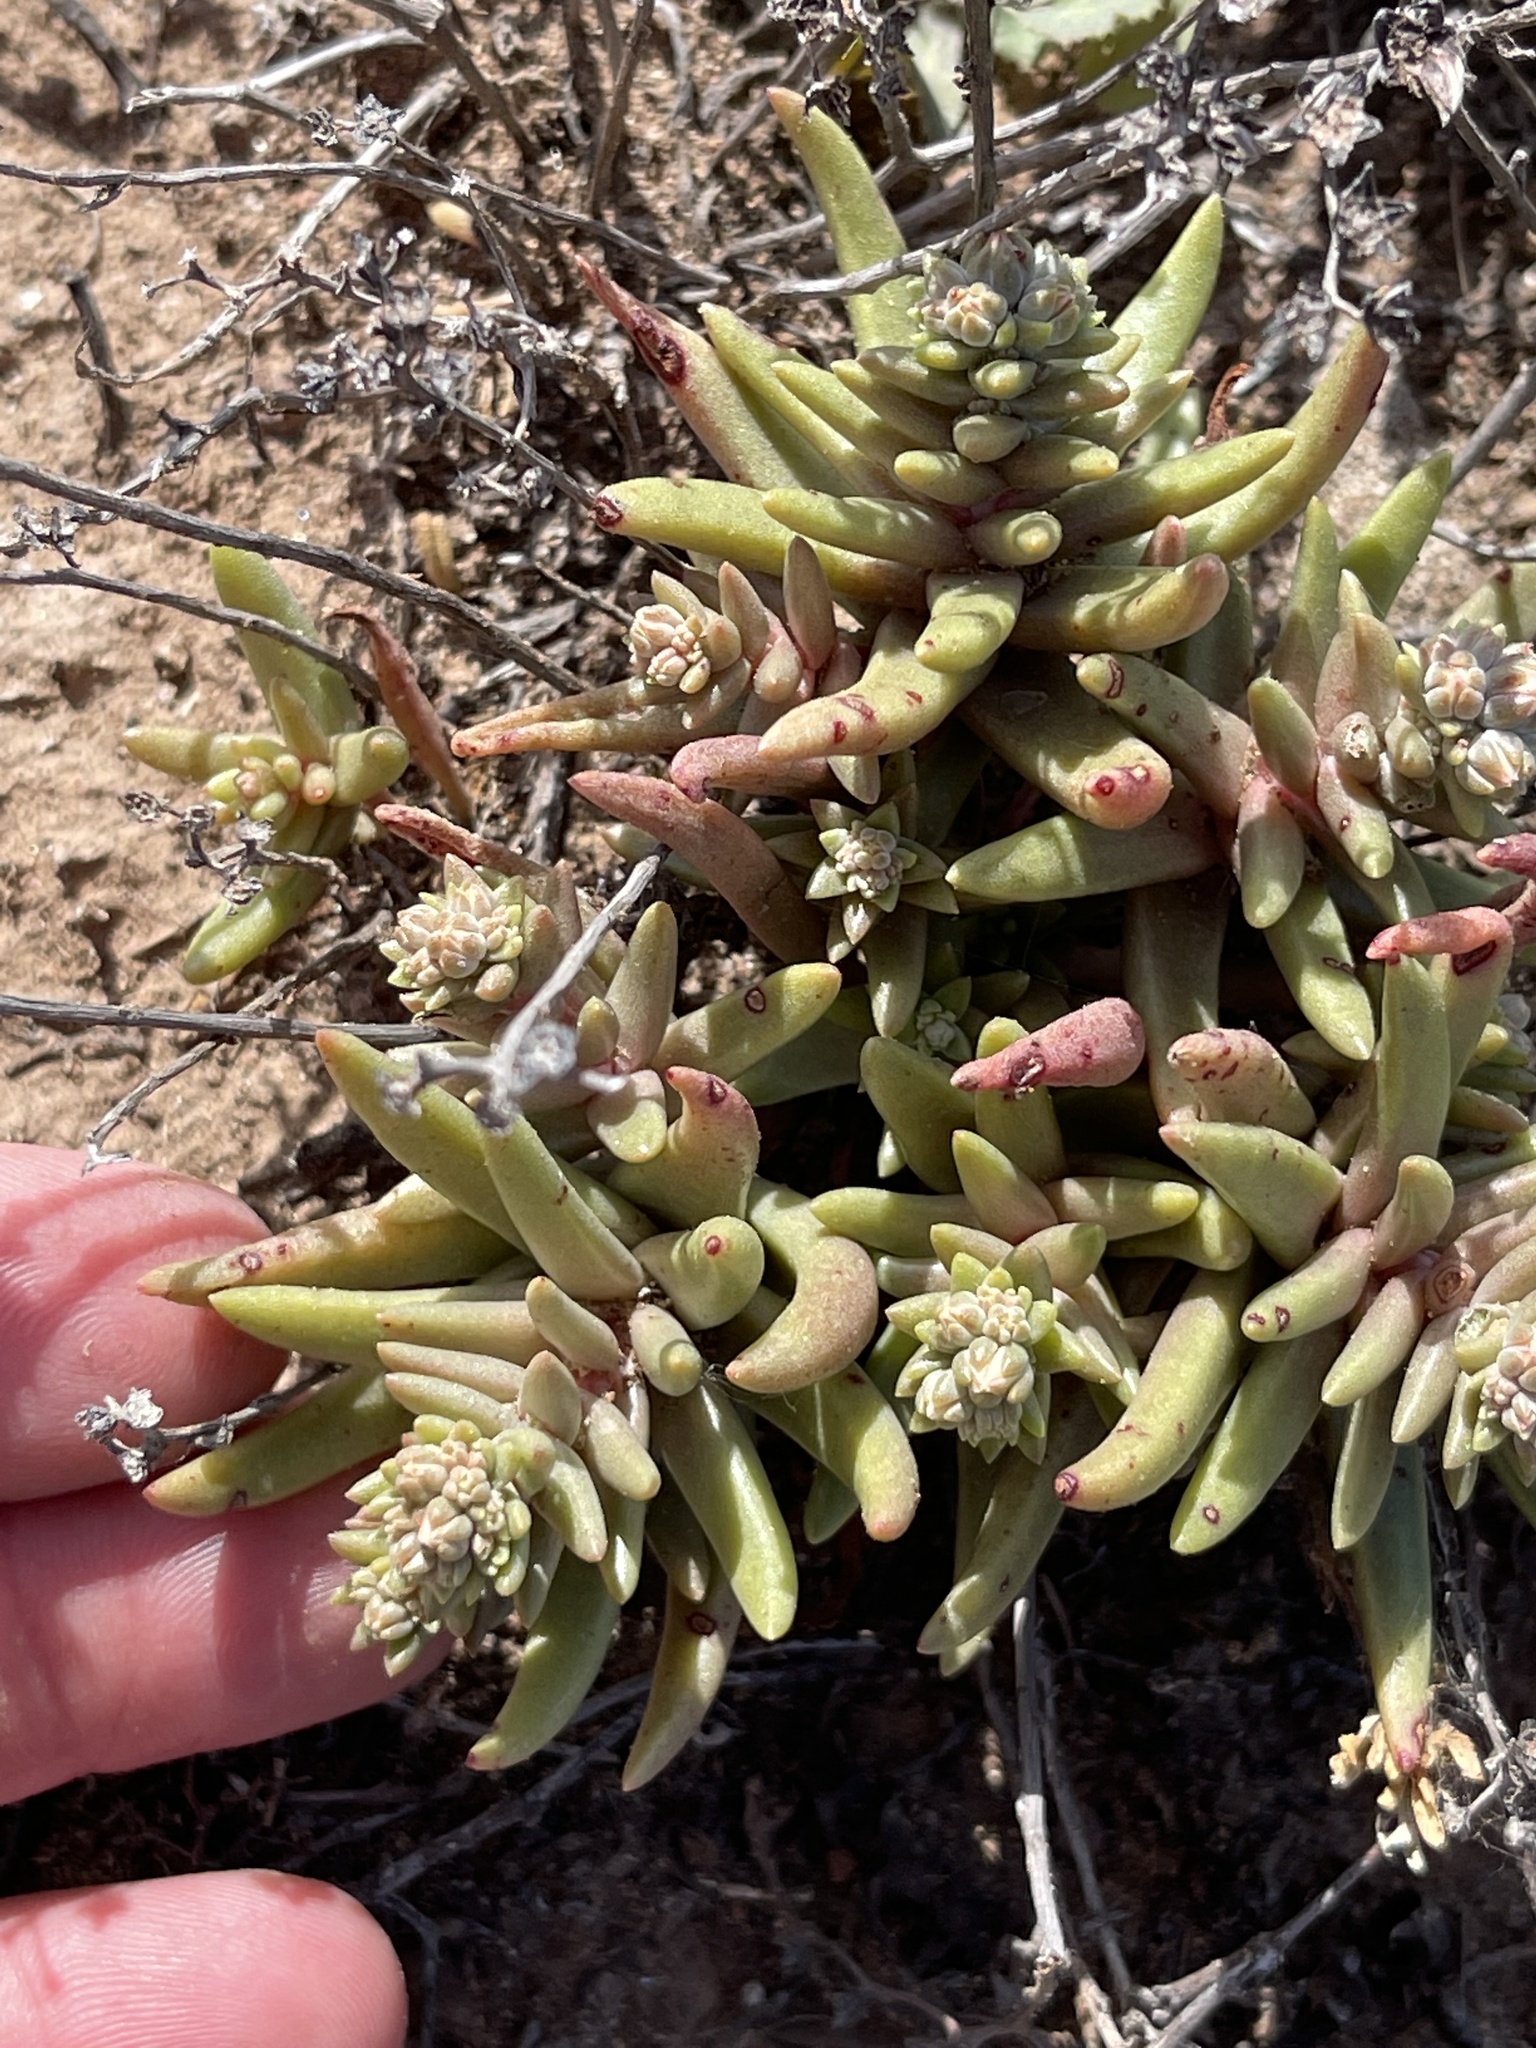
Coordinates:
[1095,1047]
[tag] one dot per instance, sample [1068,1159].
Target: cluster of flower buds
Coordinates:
[1015,322]
[1505,1394]
[440,1539]
[461,946]
[1470,705]
[979,1346]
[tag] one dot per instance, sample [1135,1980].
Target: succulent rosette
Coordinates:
[866,867]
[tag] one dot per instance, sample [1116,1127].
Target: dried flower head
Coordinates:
[460,943]
[1409,1820]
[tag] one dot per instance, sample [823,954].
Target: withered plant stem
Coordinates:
[978,80]
[611,134]
[1207,1990]
[330,561]
[95,354]
[214,1025]
[287,71]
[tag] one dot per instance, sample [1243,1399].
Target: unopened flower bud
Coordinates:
[974,1371]
[677,651]
[1409,750]
[1496,764]
[1510,700]
[462,943]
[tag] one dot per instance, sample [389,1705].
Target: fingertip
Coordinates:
[77,1325]
[148,1637]
[222,1959]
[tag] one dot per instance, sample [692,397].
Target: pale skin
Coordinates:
[128,1637]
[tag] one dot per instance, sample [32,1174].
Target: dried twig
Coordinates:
[1193,1999]
[611,134]
[534,1046]
[331,561]
[149,1436]
[77,16]
[750,1671]
[1138,222]
[1074,178]
[287,71]
[197,608]
[1481,146]
[94,355]
[978,82]
[433,22]
[544,806]
[127,1106]
[110,183]
[312,970]
[1508,1797]
[506,1813]
[1069,1813]
[1478,544]
[193,436]
[217,1026]
[1520,393]
[424,106]
[1049,1939]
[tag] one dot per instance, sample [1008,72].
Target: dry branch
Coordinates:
[331,561]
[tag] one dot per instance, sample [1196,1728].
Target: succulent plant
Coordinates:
[547,1338]
[967,644]
[302,785]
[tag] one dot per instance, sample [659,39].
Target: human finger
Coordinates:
[127,1637]
[224,1959]
[72,1247]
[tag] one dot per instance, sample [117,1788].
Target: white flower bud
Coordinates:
[1510,700]
[459,944]
[1455,671]
[974,1371]
[455,1533]
[1495,764]
[673,650]
[1411,751]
